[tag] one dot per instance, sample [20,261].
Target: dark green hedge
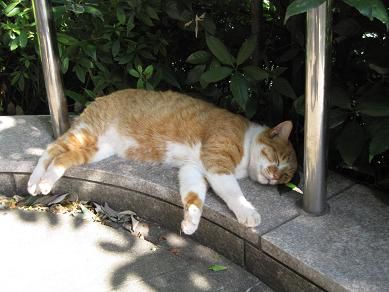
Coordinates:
[247,56]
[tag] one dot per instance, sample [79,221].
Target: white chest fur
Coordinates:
[241,171]
[179,154]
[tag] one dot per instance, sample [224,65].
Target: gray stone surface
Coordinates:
[192,251]
[274,273]
[27,137]
[47,252]
[7,184]
[166,214]
[345,250]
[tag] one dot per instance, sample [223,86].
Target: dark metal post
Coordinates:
[50,65]
[316,94]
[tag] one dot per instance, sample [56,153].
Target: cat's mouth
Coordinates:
[258,176]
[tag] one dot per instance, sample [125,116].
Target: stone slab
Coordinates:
[7,184]
[192,251]
[274,273]
[344,250]
[26,137]
[166,214]
[51,252]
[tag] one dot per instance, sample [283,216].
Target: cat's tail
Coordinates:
[75,147]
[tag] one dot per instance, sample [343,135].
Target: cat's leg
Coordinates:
[193,188]
[39,171]
[227,187]
[72,149]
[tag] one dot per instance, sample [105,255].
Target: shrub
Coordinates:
[247,56]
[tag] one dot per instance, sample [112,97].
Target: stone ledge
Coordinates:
[344,250]
[152,191]
[28,136]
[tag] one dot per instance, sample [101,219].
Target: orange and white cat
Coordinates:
[206,143]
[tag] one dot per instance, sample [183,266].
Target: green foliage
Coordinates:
[369,8]
[207,48]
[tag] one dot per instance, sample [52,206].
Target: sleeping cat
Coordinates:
[207,144]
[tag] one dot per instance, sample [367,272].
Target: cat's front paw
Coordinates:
[192,216]
[249,217]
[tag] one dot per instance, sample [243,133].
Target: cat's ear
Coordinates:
[282,130]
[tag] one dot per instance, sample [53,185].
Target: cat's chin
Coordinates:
[258,177]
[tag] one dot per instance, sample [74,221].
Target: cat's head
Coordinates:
[272,157]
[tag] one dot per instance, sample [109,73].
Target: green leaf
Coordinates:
[149,86]
[337,117]
[350,142]
[301,6]
[130,24]
[295,188]
[216,74]
[371,9]
[219,50]
[90,50]
[14,44]
[75,96]
[121,15]
[283,87]
[140,84]
[134,73]
[66,39]
[115,48]
[80,72]
[11,7]
[84,62]
[168,76]
[148,71]
[152,13]
[255,72]
[14,12]
[194,74]
[21,83]
[176,10]
[217,268]
[299,105]
[239,89]
[90,93]
[199,57]
[380,141]
[278,71]
[375,106]
[65,65]
[246,50]
[94,11]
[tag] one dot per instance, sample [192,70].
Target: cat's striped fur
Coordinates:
[208,145]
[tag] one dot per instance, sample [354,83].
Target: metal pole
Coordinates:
[50,66]
[315,142]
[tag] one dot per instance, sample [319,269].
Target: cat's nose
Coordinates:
[276,176]
[273,173]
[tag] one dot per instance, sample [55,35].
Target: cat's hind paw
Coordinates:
[45,186]
[33,189]
[33,185]
[250,218]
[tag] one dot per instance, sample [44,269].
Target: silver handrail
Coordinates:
[50,66]
[316,95]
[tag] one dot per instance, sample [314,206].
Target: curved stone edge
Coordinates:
[169,215]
